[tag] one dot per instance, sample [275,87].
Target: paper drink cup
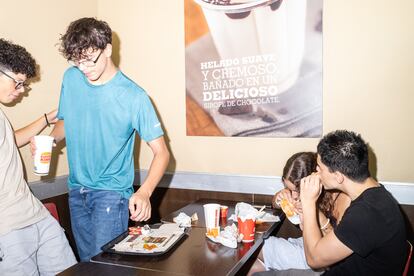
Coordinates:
[212,218]
[247,228]
[43,154]
[223,211]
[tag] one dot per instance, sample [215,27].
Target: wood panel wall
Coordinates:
[165,201]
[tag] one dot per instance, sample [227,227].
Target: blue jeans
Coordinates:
[97,217]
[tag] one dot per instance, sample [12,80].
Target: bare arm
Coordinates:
[324,223]
[139,203]
[58,131]
[24,134]
[320,251]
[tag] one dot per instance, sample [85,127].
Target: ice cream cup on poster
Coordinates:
[43,154]
[245,29]
[212,218]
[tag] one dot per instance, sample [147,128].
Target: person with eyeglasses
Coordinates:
[31,240]
[18,83]
[100,112]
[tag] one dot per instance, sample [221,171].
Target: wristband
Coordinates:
[47,121]
[325,225]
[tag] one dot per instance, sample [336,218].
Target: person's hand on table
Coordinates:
[140,206]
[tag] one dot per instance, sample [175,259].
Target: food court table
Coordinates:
[87,269]
[195,254]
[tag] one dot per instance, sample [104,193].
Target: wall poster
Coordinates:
[253,68]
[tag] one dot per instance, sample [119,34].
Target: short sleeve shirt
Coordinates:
[100,125]
[18,206]
[373,228]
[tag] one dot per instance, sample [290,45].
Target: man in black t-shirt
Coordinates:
[370,239]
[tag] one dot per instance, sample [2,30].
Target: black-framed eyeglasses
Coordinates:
[19,83]
[86,63]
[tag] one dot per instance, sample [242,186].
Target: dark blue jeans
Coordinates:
[97,217]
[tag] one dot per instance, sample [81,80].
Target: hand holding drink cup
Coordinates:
[42,154]
[49,118]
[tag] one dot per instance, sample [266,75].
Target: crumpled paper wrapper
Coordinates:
[183,220]
[228,237]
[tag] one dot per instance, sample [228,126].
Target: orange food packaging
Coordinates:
[287,207]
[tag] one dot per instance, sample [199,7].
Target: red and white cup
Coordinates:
[223,211]
[43,154]
[212,218]
[246,227]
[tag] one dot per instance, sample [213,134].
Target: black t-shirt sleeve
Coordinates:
[360,229]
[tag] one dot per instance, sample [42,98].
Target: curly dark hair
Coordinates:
[300,165]
[83,34]
[346,152]
[16,59]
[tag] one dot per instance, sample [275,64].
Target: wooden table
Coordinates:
[194,254]
[87,269]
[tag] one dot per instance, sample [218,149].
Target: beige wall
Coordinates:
[36,25]
[368,79]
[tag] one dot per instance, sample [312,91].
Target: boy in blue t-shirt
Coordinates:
[100,111]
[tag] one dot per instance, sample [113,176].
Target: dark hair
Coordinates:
[16,59]
[346,152]
[300,165]
[83,34]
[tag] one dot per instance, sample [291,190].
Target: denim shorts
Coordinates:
[97,217]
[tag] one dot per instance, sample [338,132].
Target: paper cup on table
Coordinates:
[43,154]
[246,227]
[212,217]
[223,211]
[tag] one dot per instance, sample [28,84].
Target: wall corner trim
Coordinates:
[265,185]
